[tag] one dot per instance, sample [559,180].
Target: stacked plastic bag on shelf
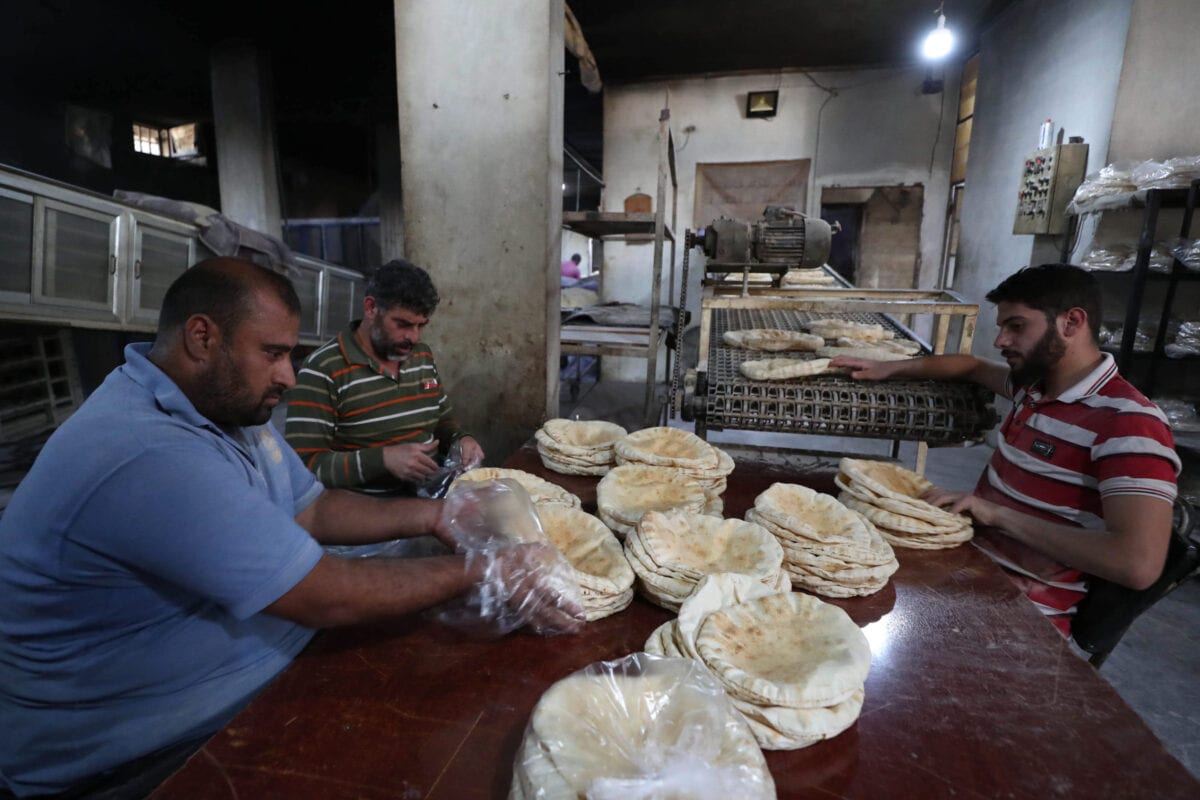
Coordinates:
[639,728]
[1181,413]
[1186,341]
[1118,184]
[524,580]
[1122,258]
[1187,251]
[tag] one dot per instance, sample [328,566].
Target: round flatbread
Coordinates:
[862,351]
[586,435]
[589,547]
[791,649]
[772,339]
[782,369]
[667,447]
[629,491]
[540,491]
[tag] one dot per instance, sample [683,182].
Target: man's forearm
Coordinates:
[342,517]
[942,368]
[355,591]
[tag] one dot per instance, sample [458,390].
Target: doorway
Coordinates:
[844,249]
[880,242]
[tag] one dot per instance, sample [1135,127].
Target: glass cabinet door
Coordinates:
[16,247]
[160,255]
[344,302]
[78,263]
[307,281]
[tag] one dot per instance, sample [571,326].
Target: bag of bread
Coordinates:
[522,577]
[638,728]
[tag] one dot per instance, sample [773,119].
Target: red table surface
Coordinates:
[971,694]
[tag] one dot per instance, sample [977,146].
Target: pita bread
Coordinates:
[862,351]
[629,491]
[815,515]
[888,480]
[807,277]
[863,331]
[667,447]
[783,369]
[541,491]
[906,346]
[894,521]
[909,507]
[772,339]
[589,547]
[626,721]
[585,435]
[696,545]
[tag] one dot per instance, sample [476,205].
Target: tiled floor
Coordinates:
[1155,668]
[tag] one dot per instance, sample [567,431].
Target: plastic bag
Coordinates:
[524,579]
[637,728]
[1187,251]
[437,483]
[1109,259]
[1174,173]
[1181,413]
[1111,187]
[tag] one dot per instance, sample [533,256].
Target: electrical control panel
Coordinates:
[1048,182]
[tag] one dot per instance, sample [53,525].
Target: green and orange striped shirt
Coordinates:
[345,406]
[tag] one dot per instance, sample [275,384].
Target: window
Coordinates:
[177,142]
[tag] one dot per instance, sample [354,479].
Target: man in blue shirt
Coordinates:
[162,560]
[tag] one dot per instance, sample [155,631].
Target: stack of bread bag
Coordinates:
[828,549]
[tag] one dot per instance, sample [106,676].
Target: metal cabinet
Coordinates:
[161,252]
[16,246]
[344,294]
[76,251]
[307,280]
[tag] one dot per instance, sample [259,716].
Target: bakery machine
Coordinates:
[715,395]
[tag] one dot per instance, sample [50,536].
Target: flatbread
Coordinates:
[630,490]
[792,649]
[782,369]
[905,346]
[862,351]
[540,491]
[589,547]
[894,521]
[908,506]
[833,328]
[667,447]
[883,478]
[772,339]
[584,434]
[695,545]
[818,516]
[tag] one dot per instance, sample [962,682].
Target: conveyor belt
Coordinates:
[936,412]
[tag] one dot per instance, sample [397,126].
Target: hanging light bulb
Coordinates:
[940,40]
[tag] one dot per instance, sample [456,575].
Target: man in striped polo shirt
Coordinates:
[1084,477]
[369,411]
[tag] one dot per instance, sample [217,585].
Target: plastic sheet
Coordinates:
[1186,341]
[438,483]
[1174,173]
[1181,413]
[524,579]
[638,728]
[1187,251]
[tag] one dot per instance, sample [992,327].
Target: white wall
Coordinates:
[877,130]
[1042,58]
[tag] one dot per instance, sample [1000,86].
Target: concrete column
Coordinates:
[391,204]
[247,172]
[480,97]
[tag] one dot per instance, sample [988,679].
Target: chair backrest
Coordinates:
[1109,608]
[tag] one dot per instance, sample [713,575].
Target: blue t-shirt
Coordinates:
[135,558]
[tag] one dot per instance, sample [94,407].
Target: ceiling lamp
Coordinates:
[940,41]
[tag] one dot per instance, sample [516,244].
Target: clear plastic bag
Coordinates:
[1109,259]
[1187,251]
[1174,173]
[438,482]
[639,728]
[524,579]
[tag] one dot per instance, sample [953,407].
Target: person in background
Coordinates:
[369,411]
[1085,474]
[570,267]
[162,562]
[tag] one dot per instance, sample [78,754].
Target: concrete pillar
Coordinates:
[391,204]
[480,93]
[247,172]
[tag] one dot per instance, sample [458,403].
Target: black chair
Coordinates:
[1109,609]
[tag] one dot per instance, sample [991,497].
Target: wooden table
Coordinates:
[971,694]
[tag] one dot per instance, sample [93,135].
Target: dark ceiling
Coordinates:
[335,71]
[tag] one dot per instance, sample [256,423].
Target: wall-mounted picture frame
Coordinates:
[762,104]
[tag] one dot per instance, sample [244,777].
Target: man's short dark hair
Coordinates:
[1053,289]
[402,283]
[223,290]
[576,257]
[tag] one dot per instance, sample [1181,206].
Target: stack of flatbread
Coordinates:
[577,447]
[639,727]
[807,277]
[792,664]
[828,549]
[628,491]
[671,552]
[890,497]
[599,564]
[862,331]
[684,452]
[772,339]
[541,491]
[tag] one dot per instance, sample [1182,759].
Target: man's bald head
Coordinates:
[224,290]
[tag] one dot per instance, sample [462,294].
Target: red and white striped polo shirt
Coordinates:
[1059,458]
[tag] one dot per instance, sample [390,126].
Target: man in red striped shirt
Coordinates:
[1085,474]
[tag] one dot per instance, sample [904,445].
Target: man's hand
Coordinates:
[472,453]
[537,591]
[984,512]
[864,369]
[410,462]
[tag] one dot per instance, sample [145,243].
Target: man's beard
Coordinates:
[1048,351]
[388,349]
[224,398]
